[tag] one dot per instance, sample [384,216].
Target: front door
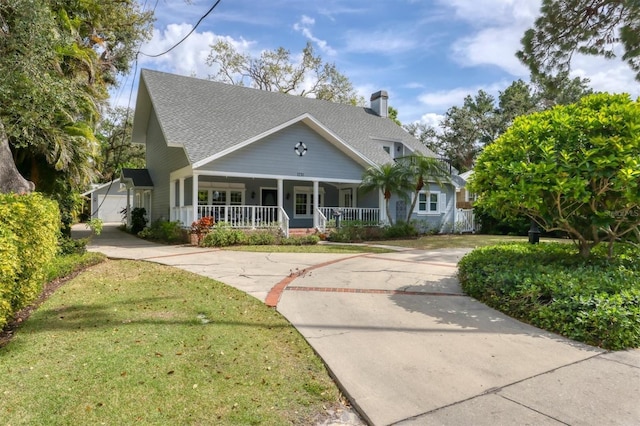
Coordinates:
[346,198]
[269,197]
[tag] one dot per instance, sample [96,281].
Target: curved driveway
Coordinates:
[407,347]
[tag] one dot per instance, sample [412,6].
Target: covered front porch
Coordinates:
[262,202]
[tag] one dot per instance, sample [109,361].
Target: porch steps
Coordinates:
[301,232]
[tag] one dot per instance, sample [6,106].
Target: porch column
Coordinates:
[316,199]
[194,197]
[280,199]
[383,207]
[181,217]
[172,200]
[128,206]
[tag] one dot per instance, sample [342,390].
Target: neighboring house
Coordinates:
[254,158]
[465,218]
[106,201]
[464,199]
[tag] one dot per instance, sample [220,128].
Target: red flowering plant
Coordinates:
[202,226]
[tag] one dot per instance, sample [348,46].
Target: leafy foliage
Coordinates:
[274,71]
[596,301]
[357,233]
[465,130]
[29,227]
[390,178]
[164,231]
[591,27]
[574,169]
[138,220]
[116,150]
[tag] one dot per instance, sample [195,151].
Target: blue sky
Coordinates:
[427,54]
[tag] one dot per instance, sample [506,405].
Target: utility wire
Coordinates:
[135,70]
[185,37]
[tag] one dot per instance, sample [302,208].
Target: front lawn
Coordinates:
[133,342]
[594,300]
[447,241]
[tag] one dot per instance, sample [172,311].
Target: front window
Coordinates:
[429,202]
[303,201]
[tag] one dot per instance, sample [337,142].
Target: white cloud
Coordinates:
[492,46]
[442,100]
[386,42]
[432,119]
[304,26]
[190,57]
[496,13]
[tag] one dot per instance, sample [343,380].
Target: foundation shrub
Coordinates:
[594,300]
[261,238]
[29,230]
[165,232]
[300,241]
[400,230]
[355,233]
[223,235]
[138,220]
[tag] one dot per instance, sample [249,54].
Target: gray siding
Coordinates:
[161,160]
[442,222]
[275,155]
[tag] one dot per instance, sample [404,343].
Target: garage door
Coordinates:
[109,210]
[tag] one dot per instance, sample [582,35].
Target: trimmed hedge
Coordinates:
[595,300]
[29,230]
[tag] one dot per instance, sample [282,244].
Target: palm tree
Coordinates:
[389,178]
[420,168]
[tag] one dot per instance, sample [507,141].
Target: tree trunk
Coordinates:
[10,179]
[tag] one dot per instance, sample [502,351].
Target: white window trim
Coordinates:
[309,191]
[227,189]
[441,204]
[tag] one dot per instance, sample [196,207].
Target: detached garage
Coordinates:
[107,202]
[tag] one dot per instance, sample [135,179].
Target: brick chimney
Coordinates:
[379,103]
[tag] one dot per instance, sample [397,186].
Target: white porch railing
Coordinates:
[360,214]
[368,215]
[246,217]
[322,221]
[465,221]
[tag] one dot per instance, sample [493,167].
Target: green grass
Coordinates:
[446,241]
[134,342]
[63,266]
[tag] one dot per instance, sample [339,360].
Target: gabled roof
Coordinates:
[207,118]
[138,178]
[99,186]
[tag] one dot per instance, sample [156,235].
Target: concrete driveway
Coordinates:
[407,347]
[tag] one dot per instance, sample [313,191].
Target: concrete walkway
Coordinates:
[407,347]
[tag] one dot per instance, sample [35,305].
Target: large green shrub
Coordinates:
[594,300]
[29,229]
[574,168]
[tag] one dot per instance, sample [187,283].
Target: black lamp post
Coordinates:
[534,233]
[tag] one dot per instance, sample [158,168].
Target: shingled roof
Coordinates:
[206,117]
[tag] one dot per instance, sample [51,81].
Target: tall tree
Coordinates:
[275,71]
[591,27]
[51,92]
[116,149]
[559,89]
[57,60]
